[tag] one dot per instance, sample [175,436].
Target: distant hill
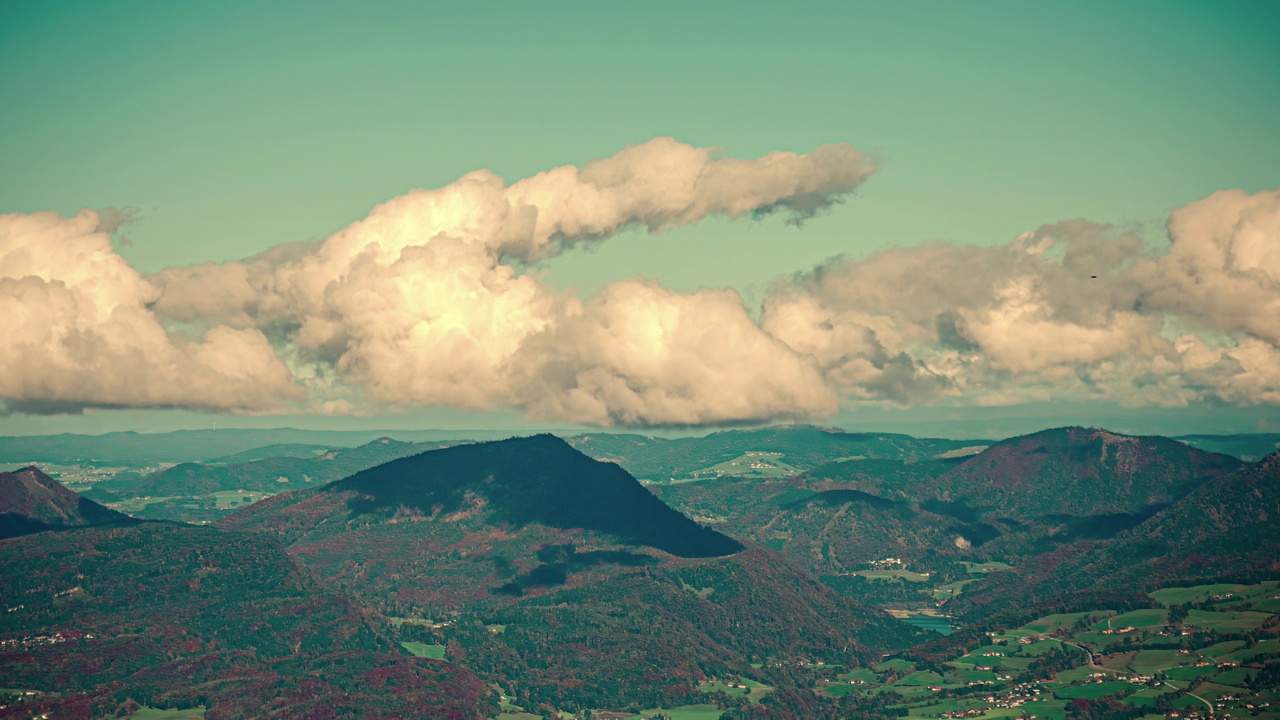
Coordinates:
[102,619]
[139,449]
[267,452]
[1078,472]
[184,484]
[1226,528]
[604,595]
[799,447]
[1247,447]
[833,519]
[31,501]
[1223,531]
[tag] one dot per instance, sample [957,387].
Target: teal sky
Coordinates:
[235,126]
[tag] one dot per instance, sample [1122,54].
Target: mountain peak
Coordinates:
[31,501]
[534,480]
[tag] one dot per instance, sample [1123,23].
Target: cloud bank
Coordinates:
[434,299]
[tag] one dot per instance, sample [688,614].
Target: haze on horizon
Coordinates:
[992,216]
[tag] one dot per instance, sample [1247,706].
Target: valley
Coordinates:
[789,572]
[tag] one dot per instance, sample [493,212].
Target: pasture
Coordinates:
[422,650]
[1225,621]
[974,568]
[1093,691]
[148,713]
[907,575]
[684,712]
[741,687]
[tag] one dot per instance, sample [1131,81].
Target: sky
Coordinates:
[952,218]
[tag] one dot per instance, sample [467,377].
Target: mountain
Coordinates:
[101,620]
[189,488]
[561,575]
[780,450]
[1247,447]
[31,501]
[835,518]
[139,449]
[1078,472]
[1223,531]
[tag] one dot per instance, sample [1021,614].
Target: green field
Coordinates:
[1150,662]
[1225,621]
[950,590]
[1053,623]
[1147,618]
[227,499]
[147,713]
[684,712]
[907,575]
[433,652]
[753,691]
[1093,691]
[749,464]
[1201,593]
[974,568]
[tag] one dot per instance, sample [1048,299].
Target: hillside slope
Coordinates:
[172,615]
[1079,472]
[1224,530]
[584,571]
[31,501]
[794,447]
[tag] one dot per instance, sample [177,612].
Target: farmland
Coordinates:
[1172,657]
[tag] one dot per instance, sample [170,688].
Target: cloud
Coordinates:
[436,299]
[431,299]
[1222,268]
[79,332]
[1073,310]
[639,354]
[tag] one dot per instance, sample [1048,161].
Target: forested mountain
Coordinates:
[31,501]
[273,473]
[1078,472]
[503,533]
[138,449]
[105,619]
[798,447]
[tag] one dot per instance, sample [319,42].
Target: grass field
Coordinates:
[1147,618]
[750,464]
[1053,623]
[147,713]
[433,652]
[907,575]
[950,590]
[684,712]
[1093,691]
[1225,621]
[227,499]
[133,505]
[974,568]
[753,691]
[1150,662]
[1201,593]
[897,665]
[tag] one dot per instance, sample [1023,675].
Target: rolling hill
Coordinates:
[1224,530]
[185,491]
[788,448]
[31,501]
[1078,472]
